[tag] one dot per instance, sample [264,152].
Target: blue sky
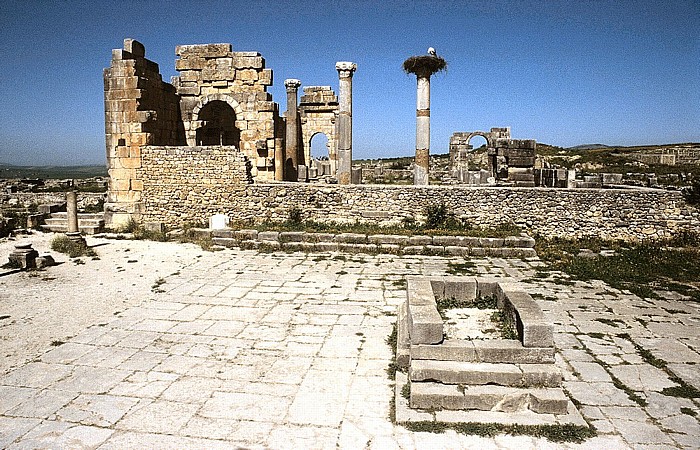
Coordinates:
[561,72]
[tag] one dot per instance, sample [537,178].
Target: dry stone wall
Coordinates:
[189,184]
[607,213]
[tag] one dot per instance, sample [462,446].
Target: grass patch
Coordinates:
[641,268]
[63,244]
[391,342]
[554,433]
[465,268]
[438,225]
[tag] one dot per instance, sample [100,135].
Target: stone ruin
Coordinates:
[510,160]
[219,101]
[476,379]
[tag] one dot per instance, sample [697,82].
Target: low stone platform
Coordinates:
[510,247]
[514,380]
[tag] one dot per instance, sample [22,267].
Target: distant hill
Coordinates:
[52,172]
[589,147]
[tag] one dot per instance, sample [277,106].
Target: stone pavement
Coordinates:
[240,349]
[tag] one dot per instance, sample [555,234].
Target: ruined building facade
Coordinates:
[510,160]
[216,114]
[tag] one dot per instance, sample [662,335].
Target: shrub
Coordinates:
[295,216]
[436,216]
[73,249]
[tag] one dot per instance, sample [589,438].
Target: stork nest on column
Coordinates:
[424,65]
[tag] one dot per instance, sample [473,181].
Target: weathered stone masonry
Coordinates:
[607,213]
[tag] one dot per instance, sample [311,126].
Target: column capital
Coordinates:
[345,68]
[292,84]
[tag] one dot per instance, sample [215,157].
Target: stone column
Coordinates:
[422,161]
[291,156]
[72,211]
[279,159]
[73,231]
[345,71]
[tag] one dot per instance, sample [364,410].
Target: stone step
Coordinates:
[81,222]
[81,216]
[427,395]
[508,351]
[84,229]
[456,372]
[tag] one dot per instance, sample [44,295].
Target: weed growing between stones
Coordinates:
[631,394]
[683,389]
[554,433]
[73,249]
[391,342]
[610,322]
[465,268]
[505,325]
[156,288]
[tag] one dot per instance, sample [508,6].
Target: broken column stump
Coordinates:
[23,257]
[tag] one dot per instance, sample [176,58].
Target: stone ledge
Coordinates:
[517,247]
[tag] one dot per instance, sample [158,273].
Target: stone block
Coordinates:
[268,235]
[135,48]
[455,250]
[454,372]
[250,235]
[292,236]
[447,240]
[403,343]
[460,288]
[203,50]
[436,396]
[548,401]
[387,239]
[490,242]
[420,240]
[326,246]
[218,222]
[511,352]
[541,375]
[413,250]
[448,350]
[223,233]
[390,249]
[351,238]
[433,250]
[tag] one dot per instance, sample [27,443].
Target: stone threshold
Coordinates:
[510,247]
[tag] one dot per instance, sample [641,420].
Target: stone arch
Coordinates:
[328,144]
[196,122]
[488,136]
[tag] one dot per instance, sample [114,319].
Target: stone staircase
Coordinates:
[87,223]
[508,381]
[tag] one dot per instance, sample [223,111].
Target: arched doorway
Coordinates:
[319,147]
[218,125]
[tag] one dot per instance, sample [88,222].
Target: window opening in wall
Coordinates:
[319,147]
[218,125]
[121,142]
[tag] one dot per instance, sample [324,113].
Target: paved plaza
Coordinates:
[182,348]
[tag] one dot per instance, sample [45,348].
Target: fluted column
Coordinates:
[291,156]
[345,71]
[422,161]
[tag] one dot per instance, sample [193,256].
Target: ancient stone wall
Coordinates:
[606,213]
[189,184]
[140,109]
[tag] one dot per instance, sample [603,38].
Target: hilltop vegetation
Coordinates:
[8,171]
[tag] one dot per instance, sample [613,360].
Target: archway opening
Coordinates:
[319,147]
[218,125]
[478,143]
